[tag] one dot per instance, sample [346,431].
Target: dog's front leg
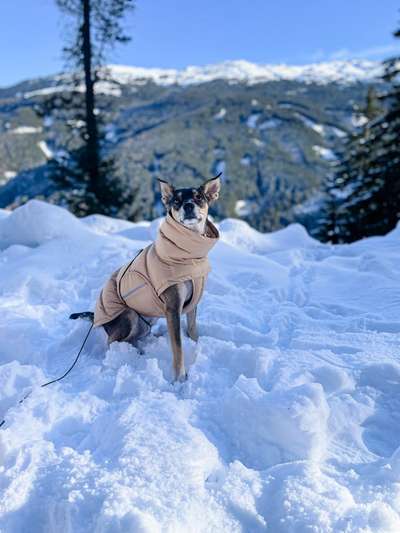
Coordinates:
[174,330]
[173,307]
[191,324]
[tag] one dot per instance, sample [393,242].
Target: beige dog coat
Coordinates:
[178,254]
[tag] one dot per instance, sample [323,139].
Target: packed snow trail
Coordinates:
[289,421]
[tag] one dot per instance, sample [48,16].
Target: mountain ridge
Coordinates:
[240,70]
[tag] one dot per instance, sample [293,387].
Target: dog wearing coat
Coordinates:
[167,278]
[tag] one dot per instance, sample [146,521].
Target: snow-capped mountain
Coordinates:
[239,71]
[251,73]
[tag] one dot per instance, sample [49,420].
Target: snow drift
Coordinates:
[288,422]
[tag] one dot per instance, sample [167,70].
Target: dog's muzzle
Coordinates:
[189,211]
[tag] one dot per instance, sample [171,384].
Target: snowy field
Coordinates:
[290,419]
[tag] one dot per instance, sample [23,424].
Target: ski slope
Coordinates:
[289,421]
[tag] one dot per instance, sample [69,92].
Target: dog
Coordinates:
[165,279]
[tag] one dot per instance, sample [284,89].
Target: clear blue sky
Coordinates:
[177,33]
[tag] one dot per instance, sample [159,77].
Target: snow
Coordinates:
[325,153]
[47,91]
[358,120]
[237,71]
[221,113]
[102,87]
[242,208]
[239,234]
[251,121]
[258,142]
[288,422]
[251,73]
[324,130]
[338,132]
[9,174]
[245,161]
[48,153]
[270,123]
[23,130]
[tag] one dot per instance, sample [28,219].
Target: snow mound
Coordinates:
[37,222]
[239,234]
[286,426]
[288,422]
[104,225]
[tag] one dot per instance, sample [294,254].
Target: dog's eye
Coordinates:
[176,204]
[198,197]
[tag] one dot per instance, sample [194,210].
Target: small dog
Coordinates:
[189,207]
[165,279]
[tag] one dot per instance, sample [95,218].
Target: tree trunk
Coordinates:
[92,144]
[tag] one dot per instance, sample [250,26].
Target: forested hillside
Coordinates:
[274,136]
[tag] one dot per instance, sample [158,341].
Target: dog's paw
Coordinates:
[193,335]
[180,377]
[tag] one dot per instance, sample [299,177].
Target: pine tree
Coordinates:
[366,183]
[327,225]
[83,167]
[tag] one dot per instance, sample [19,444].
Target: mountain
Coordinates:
[274,131]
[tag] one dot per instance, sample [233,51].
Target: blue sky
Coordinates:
[177,33]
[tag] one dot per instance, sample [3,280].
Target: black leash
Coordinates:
[61,377]
[74,316]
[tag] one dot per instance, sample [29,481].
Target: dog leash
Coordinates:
[79,353]
[59,378]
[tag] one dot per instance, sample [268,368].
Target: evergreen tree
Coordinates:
[81,165]
[366,185]
[327,224]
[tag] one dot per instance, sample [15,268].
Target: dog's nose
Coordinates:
[188,208]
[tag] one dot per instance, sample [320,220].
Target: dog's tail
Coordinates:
[85,315]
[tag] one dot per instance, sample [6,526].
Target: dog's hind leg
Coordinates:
[192,325]
[127,327]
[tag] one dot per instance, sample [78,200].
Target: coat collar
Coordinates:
[176,243]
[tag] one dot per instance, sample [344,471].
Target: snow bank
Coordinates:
[239,234]
[285,426]
[37,222]
[288,422]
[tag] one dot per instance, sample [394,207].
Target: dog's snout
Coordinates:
[188,208]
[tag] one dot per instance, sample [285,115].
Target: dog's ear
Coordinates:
[167,191]
[211,188]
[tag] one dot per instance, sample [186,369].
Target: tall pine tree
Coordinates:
[83,170]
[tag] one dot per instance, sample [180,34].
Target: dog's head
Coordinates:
[189,206]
